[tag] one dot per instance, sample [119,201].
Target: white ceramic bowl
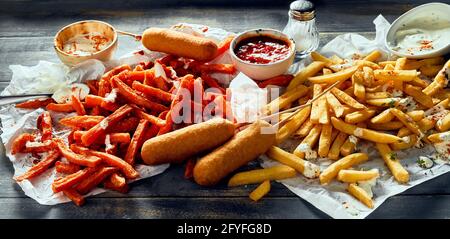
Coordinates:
[263,71]
[426,10]
[83,27]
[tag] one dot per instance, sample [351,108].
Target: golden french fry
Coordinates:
[392,162]
[393,125]
[358,88]
[303,100]
[344,163]
[326,71]
[368,76]
[325,140]
[419,82]
[349,145]
[333,153]
[383,117]
[373,56]
[292,125]
[323,110]
[419,96]
[332,78]
[387,102]
[316,109]
[285,99]
[399,64]
[378,88]
[402,132]
[318,57]
[395,75]
[364,63]
[309,141]
[306,168]
[302,75]
[335,105]
[360,194]
[348,110]
[443,124]
[304,129]
[384,63]
[353,176]
[407,121]
[430,71]
[409,143]
[346,99]
[367,134]
[439,137]
[416,115]
[378,95]
[350,91]
[389,67]
[359,116]
[414,65]
[439,81]
[278,172]
[260,191]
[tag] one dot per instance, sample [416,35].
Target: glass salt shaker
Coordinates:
[301,27]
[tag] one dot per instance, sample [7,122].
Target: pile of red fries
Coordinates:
[123,109]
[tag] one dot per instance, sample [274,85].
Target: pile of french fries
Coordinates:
[122,110]
[389,103]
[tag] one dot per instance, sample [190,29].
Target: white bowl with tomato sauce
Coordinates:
[262,53]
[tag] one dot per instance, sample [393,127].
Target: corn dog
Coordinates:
[179,44]
[244,147]
[181,144]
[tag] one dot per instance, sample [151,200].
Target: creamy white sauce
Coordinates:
[311,170]
[104,124]
[445,136]
[367,186]
[422,35]
[108,144]
[408,104]
[425,162]
[86,44]
[406,139]
[309,153]
[353,139]
[397,93]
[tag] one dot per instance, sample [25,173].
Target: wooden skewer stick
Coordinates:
[298,108]
[128,34]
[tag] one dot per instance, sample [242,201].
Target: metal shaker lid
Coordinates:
[302,10]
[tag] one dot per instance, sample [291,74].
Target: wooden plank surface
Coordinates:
[26,33]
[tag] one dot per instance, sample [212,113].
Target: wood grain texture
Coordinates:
[399,207]
[26,34]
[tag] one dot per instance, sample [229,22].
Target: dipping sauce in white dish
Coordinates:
[86,44]
[422,35]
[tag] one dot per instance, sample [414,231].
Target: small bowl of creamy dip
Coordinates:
[84,40]
[422,32]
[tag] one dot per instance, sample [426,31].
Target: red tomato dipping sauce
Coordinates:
[262,50]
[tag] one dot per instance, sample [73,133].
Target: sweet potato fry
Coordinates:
[281,80]
[66,107]
[93,100]
[73,179]
[132,96]
[73,195]
[224,45]
[66,168]
[83,160]
[94,179]
[20,142]
[169,124]
[110,160]
[136,142]
[152,91]
[189,168]
[112,183]
[35,103]
[44,124]
[126,125]
[150,118]
[41,166]
[211,82]
[85,121]
[95,132]
[38,147]
[220,68]
[77,105]
[114,138]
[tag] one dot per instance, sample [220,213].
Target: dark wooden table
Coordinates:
[26,34]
